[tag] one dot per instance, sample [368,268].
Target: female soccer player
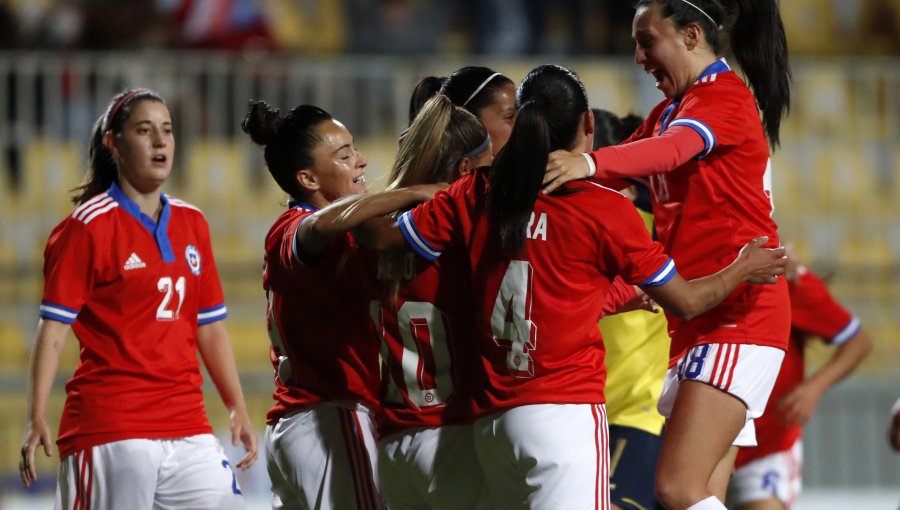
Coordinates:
[705,151]
[768,477]
[541,269]
[131,271]
[320,439]
[487,94]
[428,326]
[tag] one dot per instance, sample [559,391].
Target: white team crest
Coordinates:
[193,258]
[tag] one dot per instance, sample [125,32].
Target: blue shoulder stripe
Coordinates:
[58,313]
[662,275]
[848,332]
[207,315]
[414,239]
[709,138]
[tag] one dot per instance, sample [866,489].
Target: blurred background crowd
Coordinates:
[404,27]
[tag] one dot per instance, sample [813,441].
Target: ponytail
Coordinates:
[102,169]
[425,90]
[552,101]
[760,47]
[517,175]
[440,136]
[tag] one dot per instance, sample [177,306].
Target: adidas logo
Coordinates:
[134,262]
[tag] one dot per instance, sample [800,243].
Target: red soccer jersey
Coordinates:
[710,207]
[429,335]
[815,313]
[540,341]
[134,291]
[323,345]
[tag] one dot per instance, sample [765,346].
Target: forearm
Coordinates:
[688,299]
[348,213]
[43,365]
[845,359]
[380,234]
[218,357]
[648,156]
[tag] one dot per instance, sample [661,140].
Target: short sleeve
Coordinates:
[69,271]
[719,112]
[431,227]
[628,249]
[212,300]
[816,312]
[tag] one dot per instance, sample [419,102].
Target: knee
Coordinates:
[674,493]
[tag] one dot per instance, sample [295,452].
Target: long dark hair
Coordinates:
[757,41]
[102,169]
[551,101]
[289,140]
[474,87]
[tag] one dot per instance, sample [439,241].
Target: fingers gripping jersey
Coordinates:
[134,291]
[814,313]
[708,208]
[540,343]
[323,345]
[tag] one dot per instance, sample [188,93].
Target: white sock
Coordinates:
[710,503]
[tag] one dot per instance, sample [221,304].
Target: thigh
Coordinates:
[121,474]
[633,455]
[196,474]
[775,476]
[746,372]
[326,458]
[546,456]
[699,434]
[433,468]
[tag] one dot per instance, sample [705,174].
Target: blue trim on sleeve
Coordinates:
[848,332]
[662,275]
[207,315]
[709,138]
[414,239]
[57,312]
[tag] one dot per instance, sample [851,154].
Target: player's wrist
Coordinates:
[592,167]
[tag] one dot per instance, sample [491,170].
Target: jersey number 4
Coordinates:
[511,318]
[168,288]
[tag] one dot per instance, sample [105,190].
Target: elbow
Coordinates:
[686,309]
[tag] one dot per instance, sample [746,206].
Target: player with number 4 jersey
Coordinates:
[542,269]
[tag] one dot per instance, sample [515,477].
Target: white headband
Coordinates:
[703,13]
[483,84]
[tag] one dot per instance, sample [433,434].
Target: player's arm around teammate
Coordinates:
[321,434]
[498,217]
[707,156]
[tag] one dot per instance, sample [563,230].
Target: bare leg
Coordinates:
[704,423]
[718,482]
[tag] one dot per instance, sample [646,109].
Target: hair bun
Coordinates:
[262,122]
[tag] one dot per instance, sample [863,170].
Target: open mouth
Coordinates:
[360,180]
[160,158]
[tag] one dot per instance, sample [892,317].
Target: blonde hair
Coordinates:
[436,141]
